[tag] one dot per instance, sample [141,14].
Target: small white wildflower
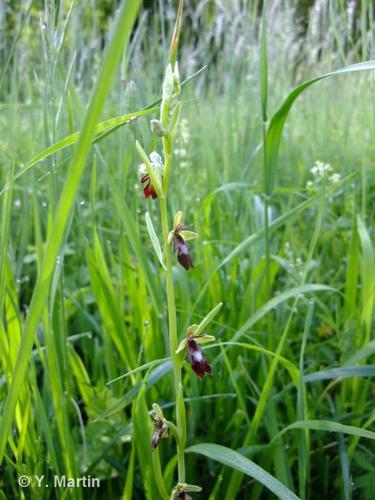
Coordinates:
[181,152]
[321,169]
[335,178]
[17,203]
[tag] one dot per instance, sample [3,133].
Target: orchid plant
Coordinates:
[154,173]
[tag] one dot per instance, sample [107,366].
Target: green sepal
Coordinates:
[188,235]
[182,346]
[157,128]
[177,219]
[208,318]
[187,488]
[203,339]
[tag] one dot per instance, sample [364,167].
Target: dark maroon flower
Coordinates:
[148,188]
[160,431]
[196,357]
[183,495]
[181,249]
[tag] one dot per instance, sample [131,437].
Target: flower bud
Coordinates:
[168,84]
[157,128]
[160,426]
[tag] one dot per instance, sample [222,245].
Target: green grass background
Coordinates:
[104,312]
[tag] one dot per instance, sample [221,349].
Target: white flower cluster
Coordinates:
[322,171]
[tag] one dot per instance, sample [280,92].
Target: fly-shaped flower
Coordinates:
[197,358]
[156,163]
[179,236]
[160,426]
[182,489]
[195,355]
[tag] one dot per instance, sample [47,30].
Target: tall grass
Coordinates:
[81,288]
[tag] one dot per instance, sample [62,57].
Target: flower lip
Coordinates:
[148,188]
[182,250]
[160,431]
[183,496]
[196,357]
[144,176]
[180,247]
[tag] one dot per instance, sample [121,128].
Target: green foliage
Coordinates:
[290,404]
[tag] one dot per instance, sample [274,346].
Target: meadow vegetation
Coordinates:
[278,185]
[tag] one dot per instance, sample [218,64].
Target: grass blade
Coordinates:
[342,372]
[238,462]
[275,301]
[328,426]
[119,40]
[154,239]
[303,453]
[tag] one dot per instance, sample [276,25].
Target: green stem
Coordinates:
[158,474]
[267,202]
[177,378]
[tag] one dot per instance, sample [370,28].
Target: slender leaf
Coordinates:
[154,376]
[342,372]
[154,239]
[363,353]
[328,426]
[242,464]
[279,299]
